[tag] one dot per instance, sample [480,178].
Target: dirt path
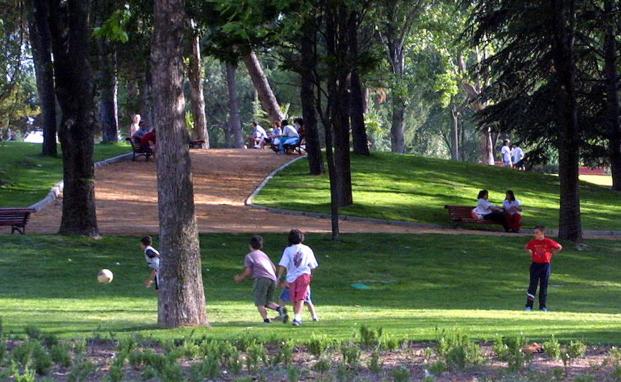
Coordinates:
[127,198]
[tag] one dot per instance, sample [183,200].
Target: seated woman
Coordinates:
[274,136]
[488,211]
[258,136]
[513,211]
[135,126]
[140,132]
[148,140]
[290,136]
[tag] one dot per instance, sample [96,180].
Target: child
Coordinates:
[298,260]
[259,266]
[152,256]
[285,297]
[541,250]
[513,211]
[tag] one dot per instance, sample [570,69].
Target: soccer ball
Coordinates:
[105,276]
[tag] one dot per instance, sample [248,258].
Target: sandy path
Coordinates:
[127,198]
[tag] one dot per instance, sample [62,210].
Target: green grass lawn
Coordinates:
[26,176]
[418,283]
[415,189]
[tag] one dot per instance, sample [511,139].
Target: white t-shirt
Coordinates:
[299,259]
[290,132]
[484,207]
[259,132]
[506,154]
[152,257]
[517,154]
[511,206]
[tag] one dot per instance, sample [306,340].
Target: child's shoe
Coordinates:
[267,321]
[543,309]
[296,323]
[315,318]
[528,309]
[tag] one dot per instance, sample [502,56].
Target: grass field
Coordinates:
[26,176]
[415,189]
[417,283]
[602,180]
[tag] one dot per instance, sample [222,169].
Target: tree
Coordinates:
[181,296]
[396,19]
[40,41]
[358,129]
[264,90]
[75,93]
[195,77]
[235,128]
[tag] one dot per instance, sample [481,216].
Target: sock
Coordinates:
[297,317]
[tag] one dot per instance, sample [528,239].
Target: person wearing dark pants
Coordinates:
[488,211]
[541,250]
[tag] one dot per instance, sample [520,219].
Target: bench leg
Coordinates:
[18,229]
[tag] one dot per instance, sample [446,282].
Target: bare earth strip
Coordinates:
[126,194]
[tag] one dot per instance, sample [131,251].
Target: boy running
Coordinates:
[541,249]
[298,261]
[285,298]
[259,266]
[152,257]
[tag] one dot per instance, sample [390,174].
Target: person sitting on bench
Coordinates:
[258,137]
[488,211]
[290,136]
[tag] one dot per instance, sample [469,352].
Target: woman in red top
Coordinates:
[541,250]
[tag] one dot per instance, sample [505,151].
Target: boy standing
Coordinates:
[259,266]
[152,257]
[298,260]
[541,249]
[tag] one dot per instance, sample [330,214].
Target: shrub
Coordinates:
[81,370]
[26,376]
[375,362]
[401,375]
[255,352]
[576,349]
[370,337]
[32,332]
[552,348]
[285,353]
[116,373]
[148,372]
[351,354]
[293,374]
[60,354]
[22,354]
[584,378]
[317,345]
[171,371]
[322,365]
[511,350]
[209,368]
[41,359]
[457,351]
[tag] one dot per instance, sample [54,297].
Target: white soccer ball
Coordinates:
[105,276]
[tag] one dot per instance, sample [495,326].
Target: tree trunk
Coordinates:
[147,111]
[70,34]
[40,41]
[612,97]
[486,146]
[235,128]
[570,227]
[264,91]
[455,133]
[195,77]
[307,94]
[108,89]
[181,297]
[397,129]
[356,101]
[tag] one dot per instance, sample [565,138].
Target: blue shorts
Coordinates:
[285,297]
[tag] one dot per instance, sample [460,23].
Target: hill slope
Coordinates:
[415,189]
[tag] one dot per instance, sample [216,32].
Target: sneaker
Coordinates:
[543,309]
[267,321]
[315,319]
[296,323]
[528,309]
[285,318]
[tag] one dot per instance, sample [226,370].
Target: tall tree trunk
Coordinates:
[235,128]
[107,83]
[264,91]
[147,111]
[195,77]
[75,92]
[486,147]
[356,102]
[455,133]
[612,95]
[181,296]
[41,43]
[397,128]
[307,90]
[570,227]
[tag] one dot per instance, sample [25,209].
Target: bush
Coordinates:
[552,348]
[322,365]
[401,375]
[351,354]
[317,345]
[60,354]
[511,350]
[285,353]
[370,337]
[32,332]
[41,359]
[457,351]
[255,352]
[375,363]
[293,374]
[81,370]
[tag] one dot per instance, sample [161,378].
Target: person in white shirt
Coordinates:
[517,157]
[298,261]
[258,137]
[290,136]
[275,135]
[506,154]
[513,211]
[135,126]
[488,211]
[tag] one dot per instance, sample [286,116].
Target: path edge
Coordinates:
[57,189]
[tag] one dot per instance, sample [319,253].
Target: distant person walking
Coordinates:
[517,157]
[506,153]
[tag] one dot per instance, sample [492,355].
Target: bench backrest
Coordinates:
[15,216]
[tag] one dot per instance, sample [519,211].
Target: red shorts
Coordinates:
[299,288]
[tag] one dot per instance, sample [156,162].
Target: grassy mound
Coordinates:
[417,283]
[26,176]
[415,189]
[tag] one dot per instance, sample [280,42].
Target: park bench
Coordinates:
[139,150]
[299,147]
[16,218]
[463,215]
[197,144]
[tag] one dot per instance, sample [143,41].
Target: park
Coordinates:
[310,190]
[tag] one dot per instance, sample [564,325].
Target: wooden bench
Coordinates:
[463,215]
[299,147]
[16,218]
[138,150]
[197,144]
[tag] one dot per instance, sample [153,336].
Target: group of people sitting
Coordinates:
[509,215]
[141,134]
[512,155]
[280,138]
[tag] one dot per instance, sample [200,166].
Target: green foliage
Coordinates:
[317,345]
[285,353]
[113,29]
[81,370]
[293,374]
[209,368]
[61,354]
[552,348]
[255,353]
[350,352]
[32,332]
[322,365]
[375,364]
[511,350]
[370,337]
[401,374]
[457,351]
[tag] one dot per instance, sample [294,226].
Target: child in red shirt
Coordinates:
[541,250]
